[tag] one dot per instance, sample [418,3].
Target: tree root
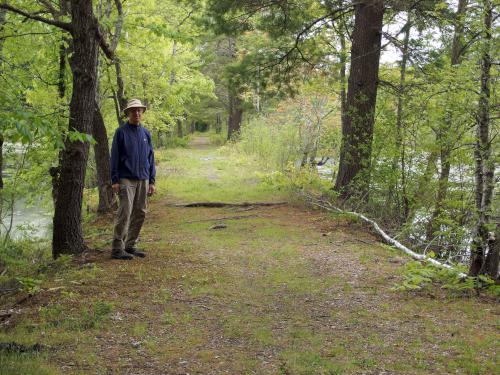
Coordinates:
[223,204]
[14,347]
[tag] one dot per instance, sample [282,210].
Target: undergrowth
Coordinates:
[425,276]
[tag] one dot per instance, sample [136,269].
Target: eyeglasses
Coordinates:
[140,110]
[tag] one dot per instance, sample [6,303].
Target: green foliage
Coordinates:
[30,285]
[295,132]
[175,142]
[167,74]
[217,139]
[297,180]
[24,258]
[425,276]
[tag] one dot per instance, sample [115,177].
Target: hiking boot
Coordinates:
[120,254]
[136,252]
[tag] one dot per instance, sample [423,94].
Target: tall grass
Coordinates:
[276,144]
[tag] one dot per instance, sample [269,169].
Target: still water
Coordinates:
[32,221]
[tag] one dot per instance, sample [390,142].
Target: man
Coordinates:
[133,178]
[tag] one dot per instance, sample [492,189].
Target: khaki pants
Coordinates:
[131,213]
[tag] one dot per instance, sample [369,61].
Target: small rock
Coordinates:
[136,344]
[117,316]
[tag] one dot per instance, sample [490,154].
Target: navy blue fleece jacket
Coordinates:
[132,155]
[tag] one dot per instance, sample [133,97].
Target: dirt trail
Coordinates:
[278,290]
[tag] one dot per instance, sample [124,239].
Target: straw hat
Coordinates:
[134,103]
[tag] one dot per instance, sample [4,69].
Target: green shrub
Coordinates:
[217,139]
[423,276]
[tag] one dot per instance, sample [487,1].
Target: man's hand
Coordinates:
[116,188]
[151,190]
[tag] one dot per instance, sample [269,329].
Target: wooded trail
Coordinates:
[253,290]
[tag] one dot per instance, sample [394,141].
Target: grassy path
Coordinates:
[280,290]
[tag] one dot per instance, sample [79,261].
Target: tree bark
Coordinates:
[485,164]
[343,67]
[235,116]
[67,229]
[353,177]
[102,161]
[493,257]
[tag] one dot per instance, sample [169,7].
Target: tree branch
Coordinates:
[108,51]
[118,25]
[62,25]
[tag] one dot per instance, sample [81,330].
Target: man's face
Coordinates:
[135,115]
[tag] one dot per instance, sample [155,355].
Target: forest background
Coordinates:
[409,139]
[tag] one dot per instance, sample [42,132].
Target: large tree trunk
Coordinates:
[485,164]
[102,161]
[235,103]
[493,258]
[343,67]
[67,229]
[235,116]
[353,177]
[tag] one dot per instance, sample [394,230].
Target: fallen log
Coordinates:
[387,239]
[224,204]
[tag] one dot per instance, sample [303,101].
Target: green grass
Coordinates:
[26,364]
[205,175]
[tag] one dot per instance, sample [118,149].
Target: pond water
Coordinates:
[32,220]
[28,220]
